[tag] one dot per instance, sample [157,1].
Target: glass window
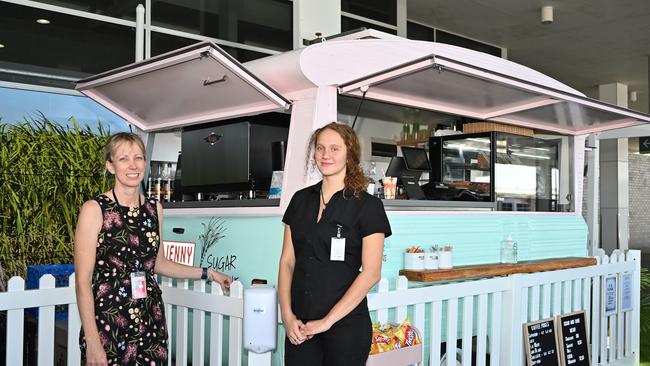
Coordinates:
[348,24]
[161,43]
[526,173]
[452,39]
[115,9]
[381,10]
[68,46]
[520,173]
[261,23]
[17,105]
[419,32]
[465,166]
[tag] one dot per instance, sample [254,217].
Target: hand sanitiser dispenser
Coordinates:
[260,318]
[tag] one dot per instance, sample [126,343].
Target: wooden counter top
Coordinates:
[496,269]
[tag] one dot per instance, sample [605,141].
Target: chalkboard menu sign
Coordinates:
[574,344]
[541,343]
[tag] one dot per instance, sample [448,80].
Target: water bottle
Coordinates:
[508,250]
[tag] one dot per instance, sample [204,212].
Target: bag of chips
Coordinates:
[393,336]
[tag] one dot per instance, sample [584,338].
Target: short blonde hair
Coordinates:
[117,138]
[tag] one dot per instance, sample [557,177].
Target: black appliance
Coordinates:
[231,156]
[416,162]
[278,154]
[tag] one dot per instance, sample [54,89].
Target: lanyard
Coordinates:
[136,264]
[118,202]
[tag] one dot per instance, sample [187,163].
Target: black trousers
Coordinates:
[347,343]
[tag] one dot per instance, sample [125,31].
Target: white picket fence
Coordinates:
[486,315]
[472,308]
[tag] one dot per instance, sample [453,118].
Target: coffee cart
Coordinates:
[383,84]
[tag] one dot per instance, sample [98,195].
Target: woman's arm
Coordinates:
[372,251]
[285,275]
[168,268]
[85,250]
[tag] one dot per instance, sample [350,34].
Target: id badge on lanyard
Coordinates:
[138,285]
[337,251]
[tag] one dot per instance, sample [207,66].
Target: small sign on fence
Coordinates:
[610,294]
[626,292]
[540,342]
[179,252]
[574,344]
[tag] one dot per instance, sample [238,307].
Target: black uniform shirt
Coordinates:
[318,283]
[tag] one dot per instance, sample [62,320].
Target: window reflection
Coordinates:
[348,24]
[381,10]
[162,43]
[69,46]
[123,9]
[18,105]
[261,23]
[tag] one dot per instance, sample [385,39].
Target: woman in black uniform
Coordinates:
[332,229]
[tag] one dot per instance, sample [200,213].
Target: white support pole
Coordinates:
[147,30]
[635,255]
[315,16]
[401,18]
[259,359]
[593,177]
[511,331]
[139,33]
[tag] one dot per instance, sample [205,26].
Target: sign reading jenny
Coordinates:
[179,252]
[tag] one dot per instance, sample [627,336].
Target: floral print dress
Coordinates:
[132,331]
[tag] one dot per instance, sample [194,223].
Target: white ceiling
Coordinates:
[591,42]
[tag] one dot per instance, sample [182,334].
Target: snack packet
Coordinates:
[393,336]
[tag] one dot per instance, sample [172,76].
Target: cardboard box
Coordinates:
[398,357]
[476,127]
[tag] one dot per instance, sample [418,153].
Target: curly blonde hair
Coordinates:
[355,180]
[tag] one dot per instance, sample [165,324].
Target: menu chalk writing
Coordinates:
[574,345]
[541,343]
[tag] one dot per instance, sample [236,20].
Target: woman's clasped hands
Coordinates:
[298,332]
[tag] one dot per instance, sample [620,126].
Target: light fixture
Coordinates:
[2,45]
[633,96]
[42,21]
[547,15]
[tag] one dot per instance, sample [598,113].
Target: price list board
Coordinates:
[540,340]
[573,339]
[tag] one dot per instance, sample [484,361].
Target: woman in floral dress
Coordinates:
[117,252]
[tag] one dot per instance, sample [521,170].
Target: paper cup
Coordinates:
[431,260]
[445,260]
[390,186]
[414,261]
